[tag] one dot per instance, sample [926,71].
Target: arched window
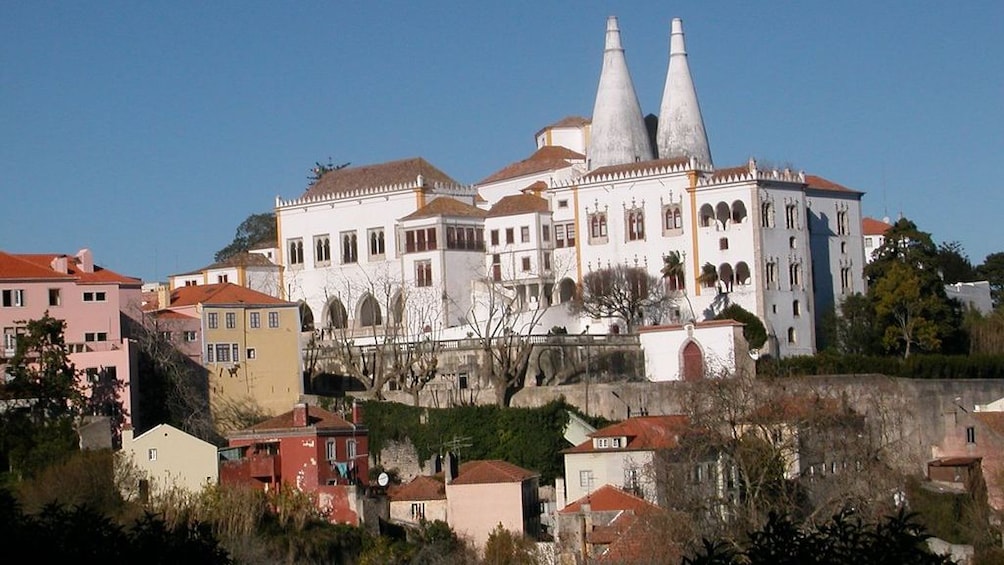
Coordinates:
[566,290]
[396,313]
[742,273]
[738,211]
[707,215]
[723,213]
[369,312]
[635,224]
[726,277]
[796,308]
[306,317]
[767,214]
[791,335]
[338,318]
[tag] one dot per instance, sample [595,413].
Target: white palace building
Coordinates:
[366,247]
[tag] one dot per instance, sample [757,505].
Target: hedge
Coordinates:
[915,367]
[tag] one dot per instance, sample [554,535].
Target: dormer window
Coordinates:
[602,443]
[615,442]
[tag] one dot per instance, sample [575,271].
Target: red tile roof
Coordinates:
[172,315]
[518,204]
[547,158]
[446,206]
[635,167]
[221,294]
[39,265]
[644,433]
[871,226]
[242,259]
[405,171]
[566,122]
[422,487]
[317,417]
[638,539]
[609,498]
[491,471]
[819,183]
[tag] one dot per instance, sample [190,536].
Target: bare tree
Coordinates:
[628,293]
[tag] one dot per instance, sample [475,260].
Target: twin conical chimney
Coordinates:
[681,129]
[618,132]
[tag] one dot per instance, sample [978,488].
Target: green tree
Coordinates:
[992,270]
[753,329]
[854,326]
[510,548]
[256,229]
[44,397]
[954,264]
[905,313]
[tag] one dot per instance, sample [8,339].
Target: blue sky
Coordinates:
[148,131]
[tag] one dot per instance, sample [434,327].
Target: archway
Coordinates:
[693,362]
[306,317]
[369,312]
[742,273]
[337,317]
[566,290]
[738,211]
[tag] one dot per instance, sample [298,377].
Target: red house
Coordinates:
[308,448]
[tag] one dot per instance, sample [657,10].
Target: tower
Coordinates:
[681,129]
[618,128]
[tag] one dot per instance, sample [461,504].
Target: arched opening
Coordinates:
[693,362]
[306,317]
[396,313]
[743,273]
[337,317]
[369,312]
[738,211]
[726,276]
[707,215]
[723,213]
[566,290]
[791,335]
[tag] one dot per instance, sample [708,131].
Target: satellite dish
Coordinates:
[383,479]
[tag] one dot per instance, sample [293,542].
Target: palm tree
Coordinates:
[709,275]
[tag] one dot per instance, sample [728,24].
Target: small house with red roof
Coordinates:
[308,448]
[252,269]
[480,495]
[424,498]
[622,455]
[874,234]
[92,300]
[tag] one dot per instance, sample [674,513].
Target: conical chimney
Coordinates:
[681,129]
[618,132]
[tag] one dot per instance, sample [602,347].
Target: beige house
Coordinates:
[488,493]
[250,343]
[424,498]
[171,458]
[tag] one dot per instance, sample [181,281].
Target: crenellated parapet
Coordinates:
[446,189]
[750,173]
[634,171]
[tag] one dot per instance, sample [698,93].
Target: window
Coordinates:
[418,511]
[796,308]
[467,238]
[295,251]
[254,319]
[93,297]
[13,298]
[322,250]
[423,273]
[971,434]
[231,318]
[545,232]
[210,358]
[723,243]
[9,341]
[350,247]
[151,454]
[547,261]
[672,218]
[791,335]
[792,242]
[843,226]
[166,336]
[635,223]
[843,248]
[846,287]
[790,216]
[213,320]
[563,204]
[95,336]
[189,336]
[222,352]
[598,227]
[524,234]
[510,235]
[251,353]
[235,352]
[767,215]
[564,235]
[54,298]
[602,443]
[376,242]
[496,267]
[615,442]
[570,234]
[770,269]
[420,240]
[795,274]
[495,237]
[331,450]
[586,479]
[525,261]
[222,278]
[351,448]
[273,319]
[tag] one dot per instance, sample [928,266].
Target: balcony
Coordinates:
[264,467]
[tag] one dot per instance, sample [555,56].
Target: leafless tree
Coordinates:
[621,291]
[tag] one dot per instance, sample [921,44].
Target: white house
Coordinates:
[171,458]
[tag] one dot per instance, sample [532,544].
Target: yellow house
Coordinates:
[250,344]
[170,458]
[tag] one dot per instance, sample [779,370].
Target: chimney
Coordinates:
[163,296]
[85,261]
[300,415]
[449,467]
[357,413]
[59,264]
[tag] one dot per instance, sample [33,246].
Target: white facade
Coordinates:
[717,349]
[586,472]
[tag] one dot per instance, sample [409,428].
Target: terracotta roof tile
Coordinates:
[635,167]
[446,206]
[221,293]
[14,267]
[566,122]
[992,420]
[100,275]
[547,158]
[609,498]
[172,315]
[871,226]
[405,171]
[242,259]
[639,539]
[491,471]
[819,183]
[643,433]
[317,417]
[518,204]
[422,487]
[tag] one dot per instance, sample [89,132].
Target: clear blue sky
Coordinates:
[148,131]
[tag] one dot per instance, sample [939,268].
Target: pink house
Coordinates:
[91,300]
[487,493]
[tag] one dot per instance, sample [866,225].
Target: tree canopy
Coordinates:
[628,293]
[255,230]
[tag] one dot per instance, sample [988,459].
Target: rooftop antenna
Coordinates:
[456,444]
